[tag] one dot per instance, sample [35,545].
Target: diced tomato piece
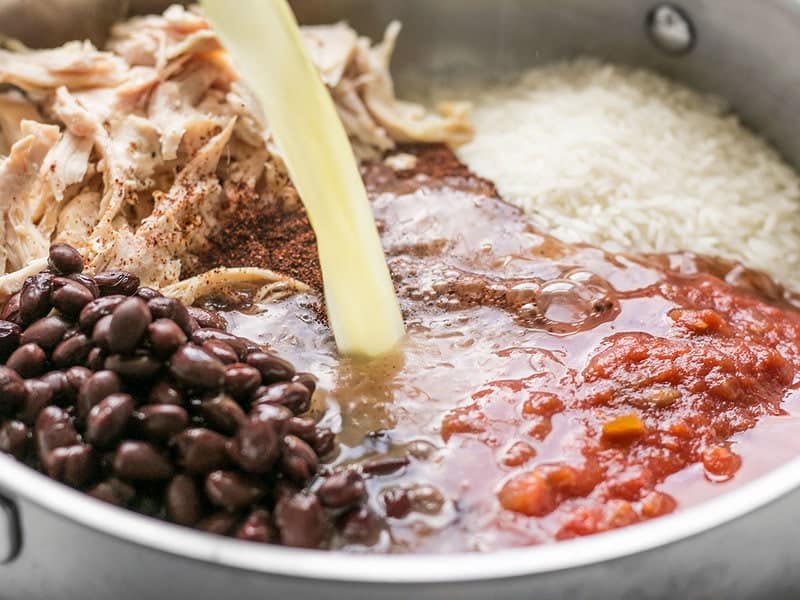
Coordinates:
[656,504]
[518,454]
[529,494]
[720,462]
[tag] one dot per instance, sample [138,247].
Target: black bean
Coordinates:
[12,390]
[292,395]
[426,499]
[10,334]
[14,438]
[34,298]
[39,395]
[101,334]
[139,461]
[284,489]
[46,332]
[222,413]
[28,360]
[53,429]
[114,491]
[257,527]
[397,503]
[385,465]
[207,319]
[324,442]
[194,367]
[117,282]
[298,460]
[70,297]
[169,308]
[129,322]
[96,359]
[220,523]
[108,419]
[159,422]
[273,368]
[57,381]
[308,380]
[71,332]
[182,501]
[76,377]
[300,521]
[164,392]
[165,337]
[221,351]
[359,526]
[239,345]
[10,311]
[137,368]
[256,446]
[342,489]
[87,282]
[146,293]
[95,389]
[65,259]
[71,352]
[241,380]
[97,309]
[304,428]
[73,465]
[233,491]
[201,450]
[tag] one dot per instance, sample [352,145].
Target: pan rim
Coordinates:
[20,482]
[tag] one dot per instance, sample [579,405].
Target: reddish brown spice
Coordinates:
[271,239]
[283,241]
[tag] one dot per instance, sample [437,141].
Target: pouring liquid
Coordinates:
[266,44]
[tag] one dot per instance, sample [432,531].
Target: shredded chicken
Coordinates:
[359,79]
[132,153]
[14,109]
[271,285]
[21,185]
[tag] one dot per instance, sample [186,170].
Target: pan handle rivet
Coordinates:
[670,29]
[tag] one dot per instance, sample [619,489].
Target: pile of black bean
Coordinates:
[143,402]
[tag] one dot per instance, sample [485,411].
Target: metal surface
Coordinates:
[9,531]
[670,29]
[743,544]
[41,23]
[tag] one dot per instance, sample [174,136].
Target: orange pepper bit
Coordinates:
[625,428]
[529,494]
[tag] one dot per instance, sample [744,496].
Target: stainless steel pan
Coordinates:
[60,544]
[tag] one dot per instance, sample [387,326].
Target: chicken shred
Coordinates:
[132,153]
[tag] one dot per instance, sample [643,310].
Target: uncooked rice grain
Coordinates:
[629,160]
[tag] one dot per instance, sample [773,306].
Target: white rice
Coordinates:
[629,160]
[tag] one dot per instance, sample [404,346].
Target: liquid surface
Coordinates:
[546,390]
[265,40]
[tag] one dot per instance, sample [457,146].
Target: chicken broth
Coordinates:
[545,390]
